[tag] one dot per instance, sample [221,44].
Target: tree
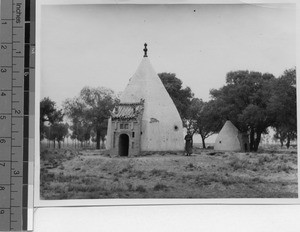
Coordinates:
[48,113]
[81,131]
[92,108]
[181,97]
[208,121]
[192,112]
[244,101]
[190,120]
[202,118]
[284,107]
[56,132]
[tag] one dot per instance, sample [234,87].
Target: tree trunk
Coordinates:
[281,142]
[257,141]
[251,140]
[203,142]
[54,143]
[288,142]
[59,144]
[98,137]
[103,140]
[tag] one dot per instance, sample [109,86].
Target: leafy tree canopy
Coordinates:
[48,113]
[181,97]
[283,106]
[244,100]
[91,109]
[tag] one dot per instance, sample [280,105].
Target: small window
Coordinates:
[126,126]
[132,134]
[176,128]
[132,145]
[220,141]
[121,125]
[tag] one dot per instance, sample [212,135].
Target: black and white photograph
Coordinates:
[168,101]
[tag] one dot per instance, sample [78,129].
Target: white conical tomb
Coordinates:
[161,125]
[161,122]
[230,139]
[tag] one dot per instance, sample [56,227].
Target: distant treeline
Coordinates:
[252,101]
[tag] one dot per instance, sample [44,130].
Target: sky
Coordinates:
[102,45]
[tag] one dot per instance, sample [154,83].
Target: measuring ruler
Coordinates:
[16,113]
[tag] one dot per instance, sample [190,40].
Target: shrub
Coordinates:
[137,174]
[156,172]
[162,173]
[284,168]
[190,166]
[129,186]
[158,187]
[140,188]
[237,163]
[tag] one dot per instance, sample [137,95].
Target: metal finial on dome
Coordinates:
[145,50]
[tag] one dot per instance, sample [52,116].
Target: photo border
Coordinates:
[141,202]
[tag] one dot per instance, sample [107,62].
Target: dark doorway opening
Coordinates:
[123,145]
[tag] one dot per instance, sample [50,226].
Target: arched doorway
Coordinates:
[123,145]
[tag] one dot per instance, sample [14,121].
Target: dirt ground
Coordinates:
[86,174]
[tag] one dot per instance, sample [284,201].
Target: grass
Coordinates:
[69,174]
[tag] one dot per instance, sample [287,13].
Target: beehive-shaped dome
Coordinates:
[161,122]
[231,139]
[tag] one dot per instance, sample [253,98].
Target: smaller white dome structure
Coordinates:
[231,139]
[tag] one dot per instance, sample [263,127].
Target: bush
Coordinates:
[237,163]
[190,166]
[284,168]
[140,189]
[159,187]
[129,186]
[161,173]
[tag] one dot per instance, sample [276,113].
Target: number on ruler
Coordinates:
[2,164]
[3,70]
[17,111]
[3,94]
[2,211]
[16,172]
[2,117]
[2,141]
[3,46]
[2,188]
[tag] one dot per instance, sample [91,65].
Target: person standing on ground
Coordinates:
[188,144]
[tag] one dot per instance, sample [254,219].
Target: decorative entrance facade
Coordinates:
[126,129]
